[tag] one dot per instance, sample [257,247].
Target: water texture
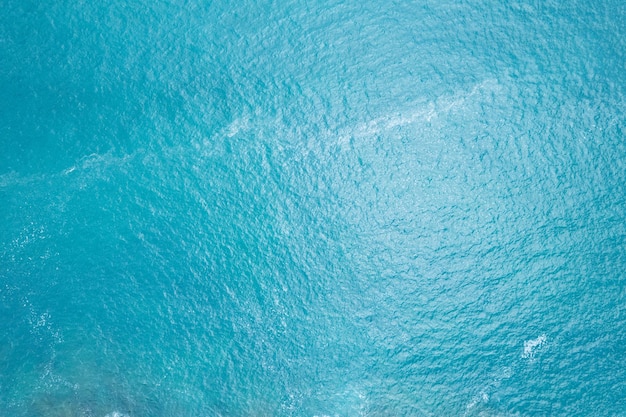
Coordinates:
[312,208]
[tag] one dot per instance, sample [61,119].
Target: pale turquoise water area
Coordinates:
[312,208]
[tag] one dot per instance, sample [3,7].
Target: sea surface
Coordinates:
[312,208]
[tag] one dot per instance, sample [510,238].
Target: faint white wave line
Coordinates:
[98,161]
[482,397]
[236,126]
[13,179]
[423,113]
[91,162]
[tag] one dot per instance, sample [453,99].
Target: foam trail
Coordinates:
[424,113]
[530,346]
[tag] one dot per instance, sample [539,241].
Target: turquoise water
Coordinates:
[312,208]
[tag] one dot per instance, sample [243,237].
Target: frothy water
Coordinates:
[531,346]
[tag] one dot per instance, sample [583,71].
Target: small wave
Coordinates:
[423,113]
[99,161]
[238,125]
[531,346]
[69,170]
[13,179]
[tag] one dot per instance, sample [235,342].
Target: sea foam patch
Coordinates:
[531,346]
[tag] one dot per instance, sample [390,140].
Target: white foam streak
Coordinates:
[418,114]
[530,346]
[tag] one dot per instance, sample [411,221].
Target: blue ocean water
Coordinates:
[312,208]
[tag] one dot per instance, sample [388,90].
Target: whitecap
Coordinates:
[116,414]
[531,346]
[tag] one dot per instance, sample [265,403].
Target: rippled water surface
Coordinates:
[312,208]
